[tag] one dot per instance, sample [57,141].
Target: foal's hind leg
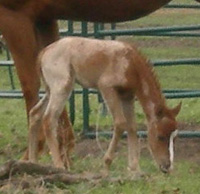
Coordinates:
[65,138]
[35,118]
[58,96]
[47,33]
[114,104]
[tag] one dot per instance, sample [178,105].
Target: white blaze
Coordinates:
[171,146]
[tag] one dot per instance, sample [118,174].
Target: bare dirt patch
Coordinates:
[185,148]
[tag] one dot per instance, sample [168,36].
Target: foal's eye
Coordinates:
[161,138]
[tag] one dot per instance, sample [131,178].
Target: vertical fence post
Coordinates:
[96,29]
[10,70]
[113,27]
[72,107]
[70,32]
[86,108]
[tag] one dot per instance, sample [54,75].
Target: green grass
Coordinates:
[185,179]
[153,182]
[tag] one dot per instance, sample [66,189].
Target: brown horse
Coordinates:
[120,73]
[29,25]
[1,44]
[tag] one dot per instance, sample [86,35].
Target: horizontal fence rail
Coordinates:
[183,31]
[170,94]
[98,31]
[182,6]
[143,134]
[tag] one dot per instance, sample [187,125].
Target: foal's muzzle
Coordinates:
[165,168]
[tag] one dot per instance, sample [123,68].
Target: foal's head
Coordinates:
[162,131]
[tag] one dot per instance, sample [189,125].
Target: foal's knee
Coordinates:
[121,126]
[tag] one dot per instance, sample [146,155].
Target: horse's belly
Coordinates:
[107,10]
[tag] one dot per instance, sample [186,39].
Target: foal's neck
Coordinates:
[149,91]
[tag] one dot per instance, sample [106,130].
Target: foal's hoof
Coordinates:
[104,173]
[67,165]
[135,175]
[61,166]
[25,156]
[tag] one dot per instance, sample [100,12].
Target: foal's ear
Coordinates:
[177,109]
[159,112]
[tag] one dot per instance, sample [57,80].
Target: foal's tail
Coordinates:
[39,69]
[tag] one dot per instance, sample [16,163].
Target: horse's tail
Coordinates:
[39,63]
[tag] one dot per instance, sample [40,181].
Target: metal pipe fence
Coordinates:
[98,30]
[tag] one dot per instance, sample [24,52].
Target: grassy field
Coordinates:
[185,178]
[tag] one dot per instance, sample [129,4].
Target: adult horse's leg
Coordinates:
[19,33]
[47,33]
[35,123]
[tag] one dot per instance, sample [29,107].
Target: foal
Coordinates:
[120,73]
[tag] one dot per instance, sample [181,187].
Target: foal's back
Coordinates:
[88,61]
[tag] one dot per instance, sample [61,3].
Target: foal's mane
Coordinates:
[147,71]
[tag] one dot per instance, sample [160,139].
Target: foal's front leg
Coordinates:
[133,148]
[114,104]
